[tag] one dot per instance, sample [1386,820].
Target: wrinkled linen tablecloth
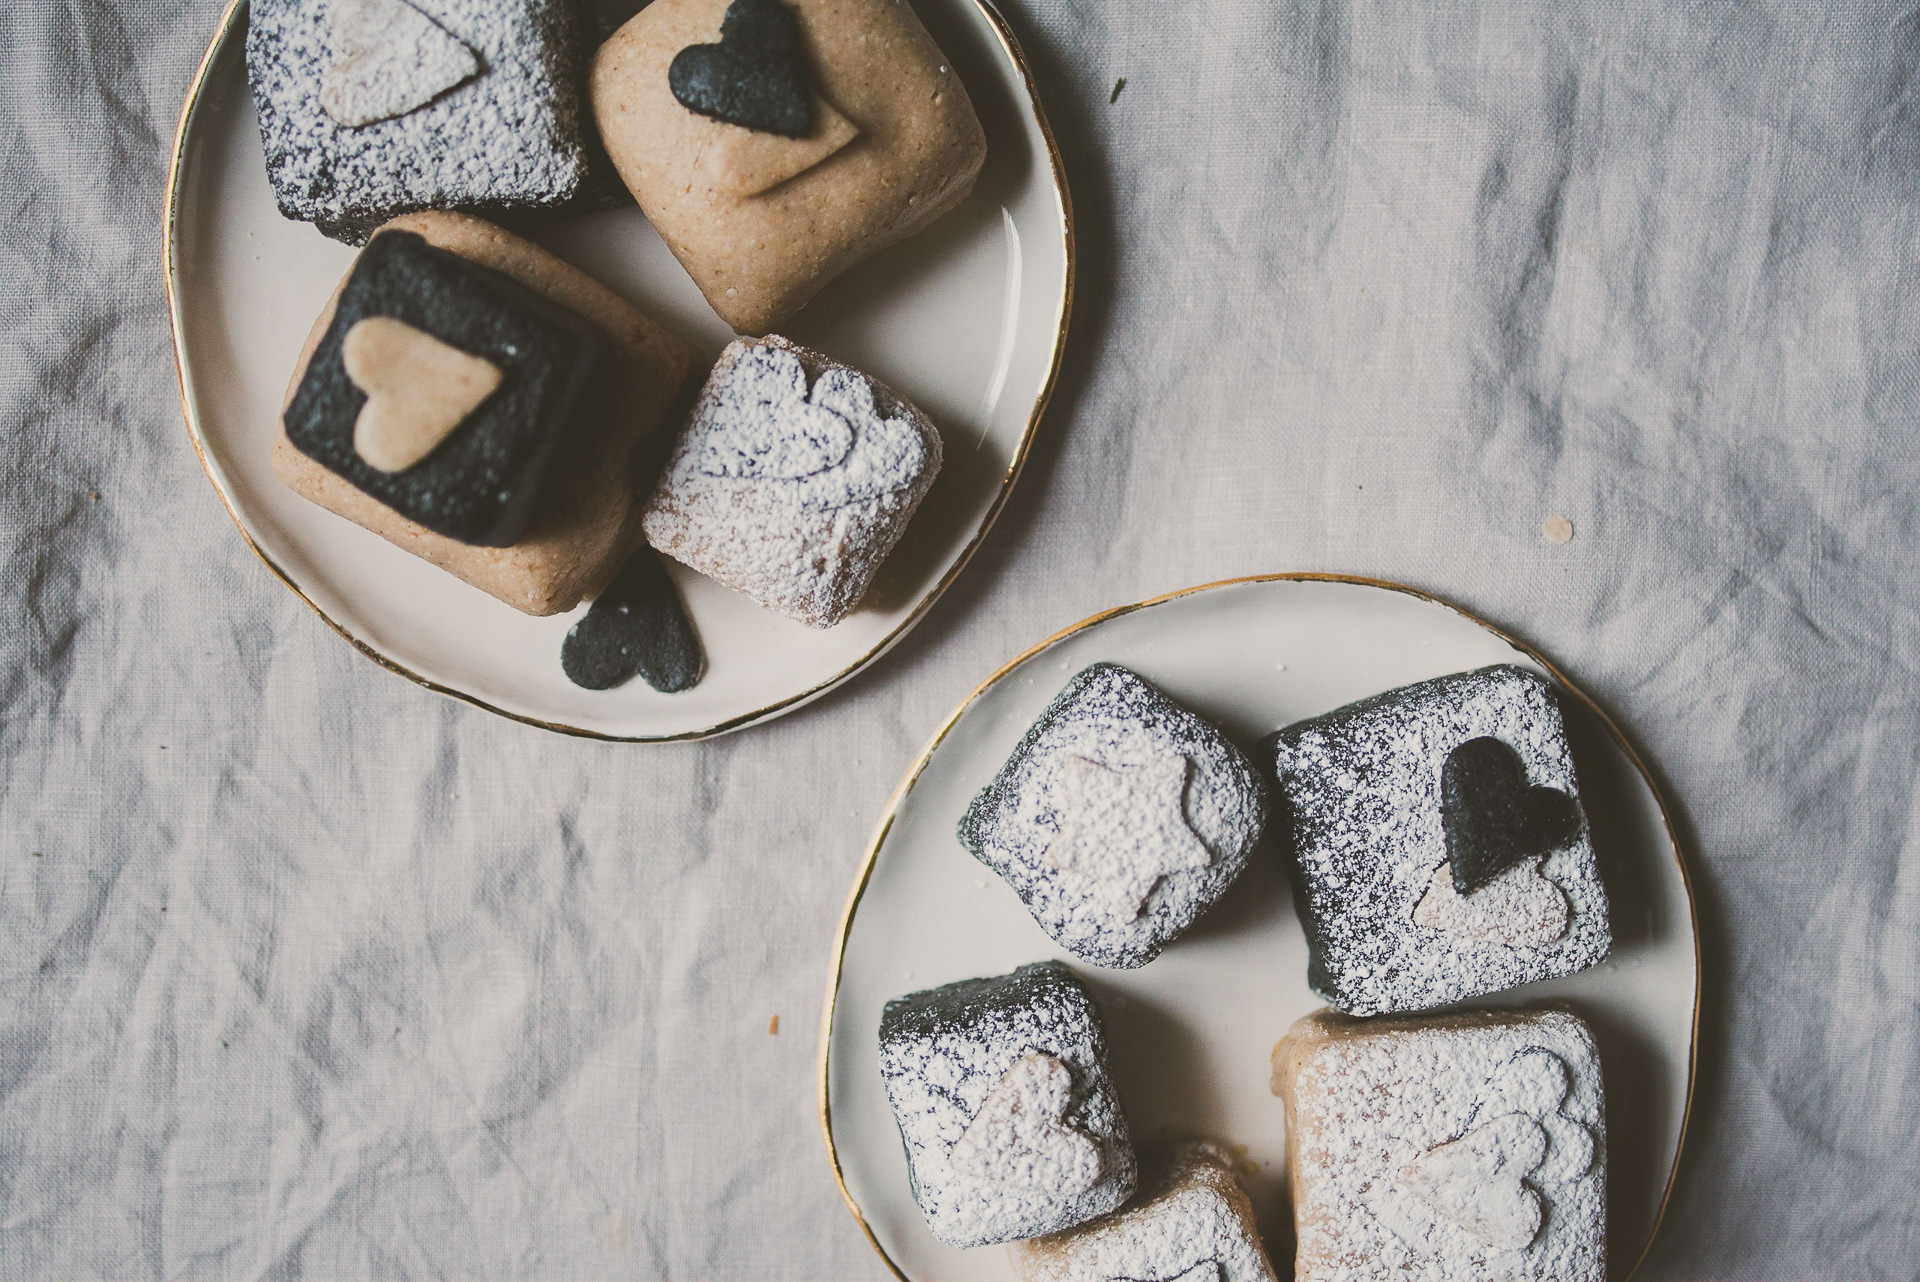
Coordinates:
[309,972]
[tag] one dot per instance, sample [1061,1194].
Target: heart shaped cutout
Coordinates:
[1536,1082]
[1019,1137]
[1517,1148]
[755,77]
[393,59]
[418,388]
[638,626]
[1477,1181]
[745,162]
[762,426]
[821,449]
[1519,908]
[1492,817]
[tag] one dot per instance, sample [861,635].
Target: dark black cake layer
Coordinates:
[974,1005]
[482,483]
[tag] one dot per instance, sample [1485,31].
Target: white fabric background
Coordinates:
[311,973]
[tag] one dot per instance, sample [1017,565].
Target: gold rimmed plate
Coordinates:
[1191,1032]
[966,319]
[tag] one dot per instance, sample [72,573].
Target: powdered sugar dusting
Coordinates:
[1109,716]
[508,138]
[817,451]
[390,59]
[1363,790]
[1463,1147]
[788,492]
[1518,908]
[1122,830]
[1018,1138]
[1190,1222]
[944,1052]
[1205,1271]
[1478,1182]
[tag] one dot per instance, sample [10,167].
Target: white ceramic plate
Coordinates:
[966,320]
[1191,1032]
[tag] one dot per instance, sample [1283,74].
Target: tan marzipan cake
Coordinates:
[1452,1148]
[759,258]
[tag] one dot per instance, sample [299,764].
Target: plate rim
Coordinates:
[170,228]
[912,776]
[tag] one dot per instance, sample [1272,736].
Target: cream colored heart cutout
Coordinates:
[393,59]
[1520,908]
[1020,1136]
[745,162]
[418,388]
[1476,1181]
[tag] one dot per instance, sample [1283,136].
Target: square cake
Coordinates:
[794,478]
[774,143]
[1451,1148]
[1436,843]
[1119,818]
[1189,1222]
[480,403]
[1005,1104]
[373,108]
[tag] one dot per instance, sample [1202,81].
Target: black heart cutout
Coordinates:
[756,77]
[637,626]
[1492,818]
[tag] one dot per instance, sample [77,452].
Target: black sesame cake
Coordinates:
[793,479]
[1119,819]
[373,108]
[1436,843]
[375,406]
[1004,1101]
[487,407]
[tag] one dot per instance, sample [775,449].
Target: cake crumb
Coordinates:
[1557,529]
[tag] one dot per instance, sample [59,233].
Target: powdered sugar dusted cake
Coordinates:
[1445,1149]
[1190,1222]
[1001,1090]
[1437,846]
[1119,819]
[793,480]
[373,108]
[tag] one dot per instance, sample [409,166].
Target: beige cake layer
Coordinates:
[589,521]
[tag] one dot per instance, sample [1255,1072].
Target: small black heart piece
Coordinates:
[1492,818]
[756,77]
[636,627]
